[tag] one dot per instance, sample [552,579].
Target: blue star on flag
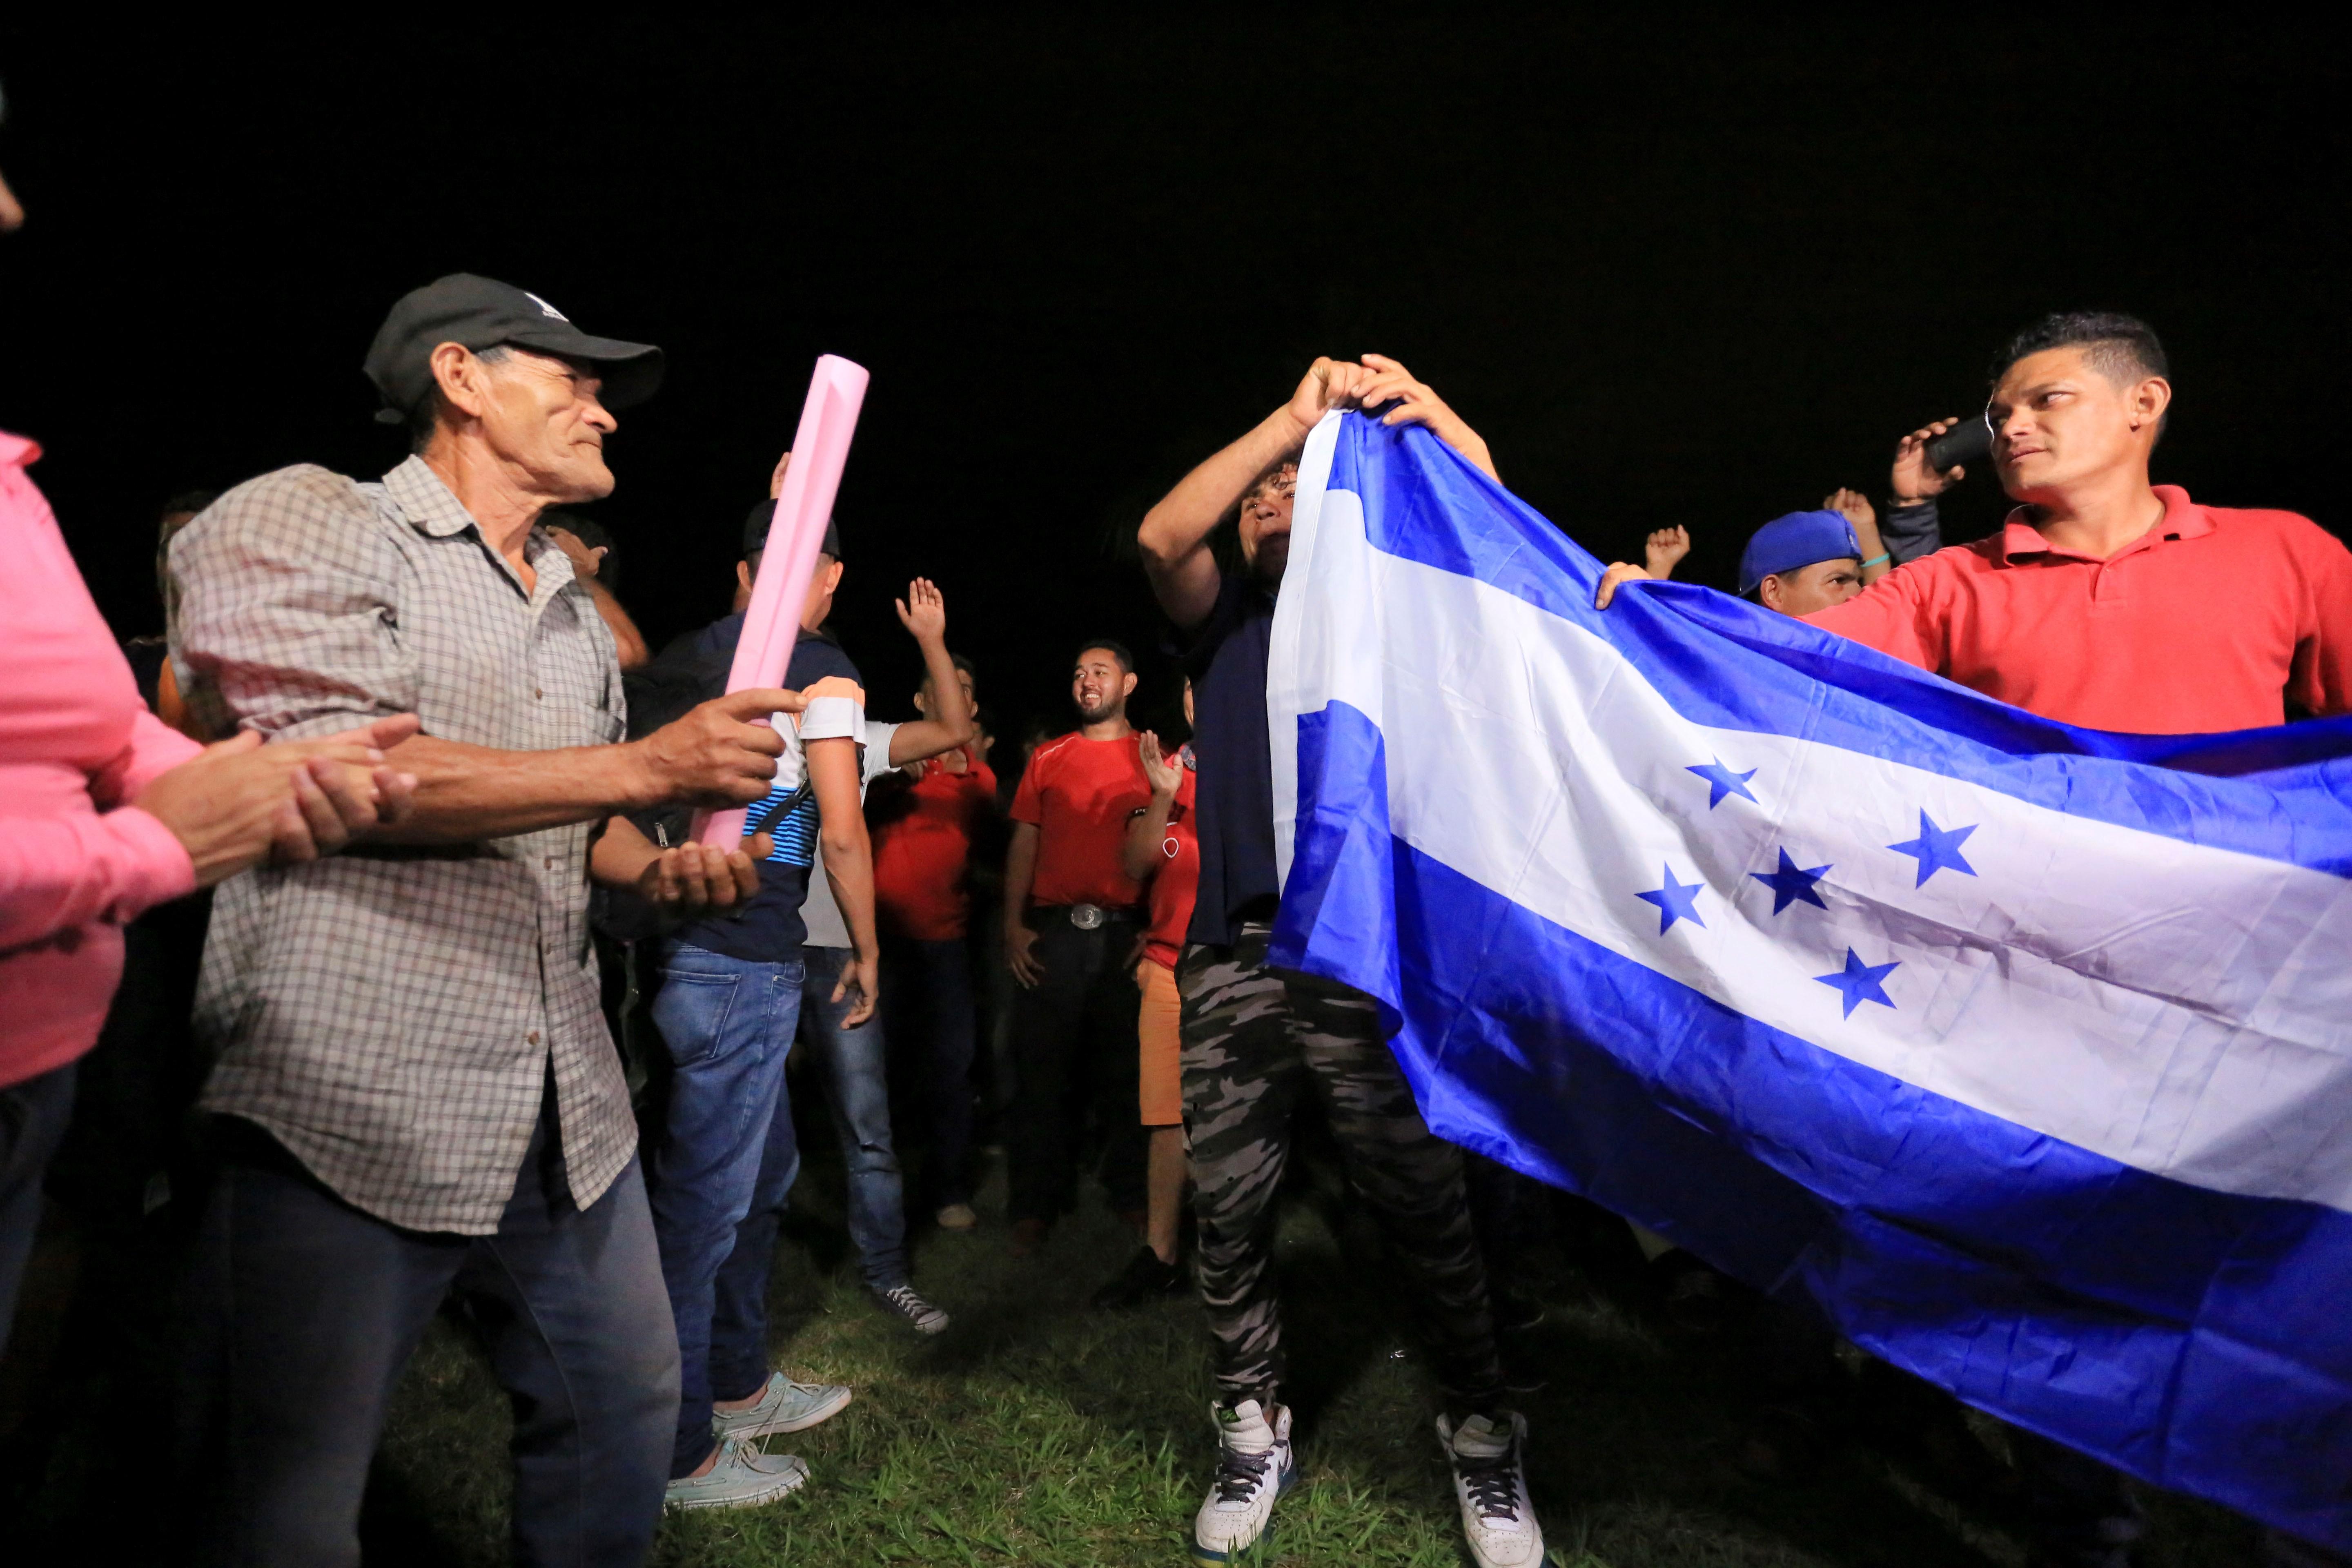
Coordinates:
[1859,982]
[1789,884]
[1936,849]
[1721,781]
[1675,902]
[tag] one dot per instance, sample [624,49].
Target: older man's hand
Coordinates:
[237,804]
[721,753]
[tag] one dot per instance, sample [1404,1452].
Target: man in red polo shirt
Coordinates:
[1072,918]
[2106,601]
[2114,603]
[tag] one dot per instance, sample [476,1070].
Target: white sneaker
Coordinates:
[1490,1482]
[1254,1469]
[743,1476]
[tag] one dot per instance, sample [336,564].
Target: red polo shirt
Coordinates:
[1078,793]
[2205,623]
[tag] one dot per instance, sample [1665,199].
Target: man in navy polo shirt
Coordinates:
[1256,1040]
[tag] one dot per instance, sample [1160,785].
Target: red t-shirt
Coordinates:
[1078,793]
[2208,622]
[1175,882]
[922,847]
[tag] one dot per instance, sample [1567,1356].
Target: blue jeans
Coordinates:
[728,1024]
[854,1066]
[300,1311]
[927,992]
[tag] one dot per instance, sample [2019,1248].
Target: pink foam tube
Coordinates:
[772,624]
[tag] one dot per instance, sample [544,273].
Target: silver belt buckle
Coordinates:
[1087,917]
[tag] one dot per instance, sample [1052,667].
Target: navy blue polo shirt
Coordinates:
[767,929]
[1234,774]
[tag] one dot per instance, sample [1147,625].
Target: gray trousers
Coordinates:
[1254,1042]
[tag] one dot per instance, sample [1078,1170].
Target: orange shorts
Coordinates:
[1162,1066]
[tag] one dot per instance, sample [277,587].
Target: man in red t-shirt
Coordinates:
[1072,918]
[2114,603]
[1164,849]
[923,833]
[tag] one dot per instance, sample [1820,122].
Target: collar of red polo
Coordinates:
[18,452]
[2183,519]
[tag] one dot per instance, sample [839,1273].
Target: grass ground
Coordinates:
[1038,1432]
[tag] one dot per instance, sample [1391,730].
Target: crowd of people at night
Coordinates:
[361,922]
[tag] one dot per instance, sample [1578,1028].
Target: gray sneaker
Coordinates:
[902,1300]
[784,1406]
[743,1476]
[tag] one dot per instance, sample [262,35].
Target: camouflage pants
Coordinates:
[1254,1041]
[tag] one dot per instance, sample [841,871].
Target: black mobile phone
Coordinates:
[1970,441]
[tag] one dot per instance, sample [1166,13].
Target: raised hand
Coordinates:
[1407,401]
[1912,480]
[1163,772]
[723,753]
[1329,383]
[1664,549]
[776,479]
[1853,506]
[924,612]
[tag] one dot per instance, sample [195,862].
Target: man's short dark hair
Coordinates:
[1117,649]
[189,502]
[421,417]
[2121,348]
[963,663]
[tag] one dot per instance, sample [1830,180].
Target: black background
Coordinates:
[1700,272]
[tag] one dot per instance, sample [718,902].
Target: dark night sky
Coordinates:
[1699,274]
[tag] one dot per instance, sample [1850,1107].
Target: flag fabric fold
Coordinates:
[2021,1053]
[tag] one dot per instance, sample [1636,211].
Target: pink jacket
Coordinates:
[75,744]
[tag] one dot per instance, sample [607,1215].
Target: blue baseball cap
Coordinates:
[1799,539]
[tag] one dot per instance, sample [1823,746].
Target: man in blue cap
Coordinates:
[1804,562]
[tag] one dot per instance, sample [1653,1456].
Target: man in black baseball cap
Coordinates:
[480,314]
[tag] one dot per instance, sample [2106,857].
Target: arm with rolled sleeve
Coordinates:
[287,621]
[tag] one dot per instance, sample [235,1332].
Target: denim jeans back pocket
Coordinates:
[693,1010]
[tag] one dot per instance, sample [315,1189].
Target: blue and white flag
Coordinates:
[2024,1051]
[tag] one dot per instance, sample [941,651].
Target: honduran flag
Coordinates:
[2023,1052]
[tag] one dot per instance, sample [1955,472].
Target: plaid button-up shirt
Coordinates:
[393,1015]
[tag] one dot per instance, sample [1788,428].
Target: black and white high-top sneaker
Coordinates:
[1490,1482]
[1253,1469]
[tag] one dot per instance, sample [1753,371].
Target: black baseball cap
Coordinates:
[481,314]
[755,530]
